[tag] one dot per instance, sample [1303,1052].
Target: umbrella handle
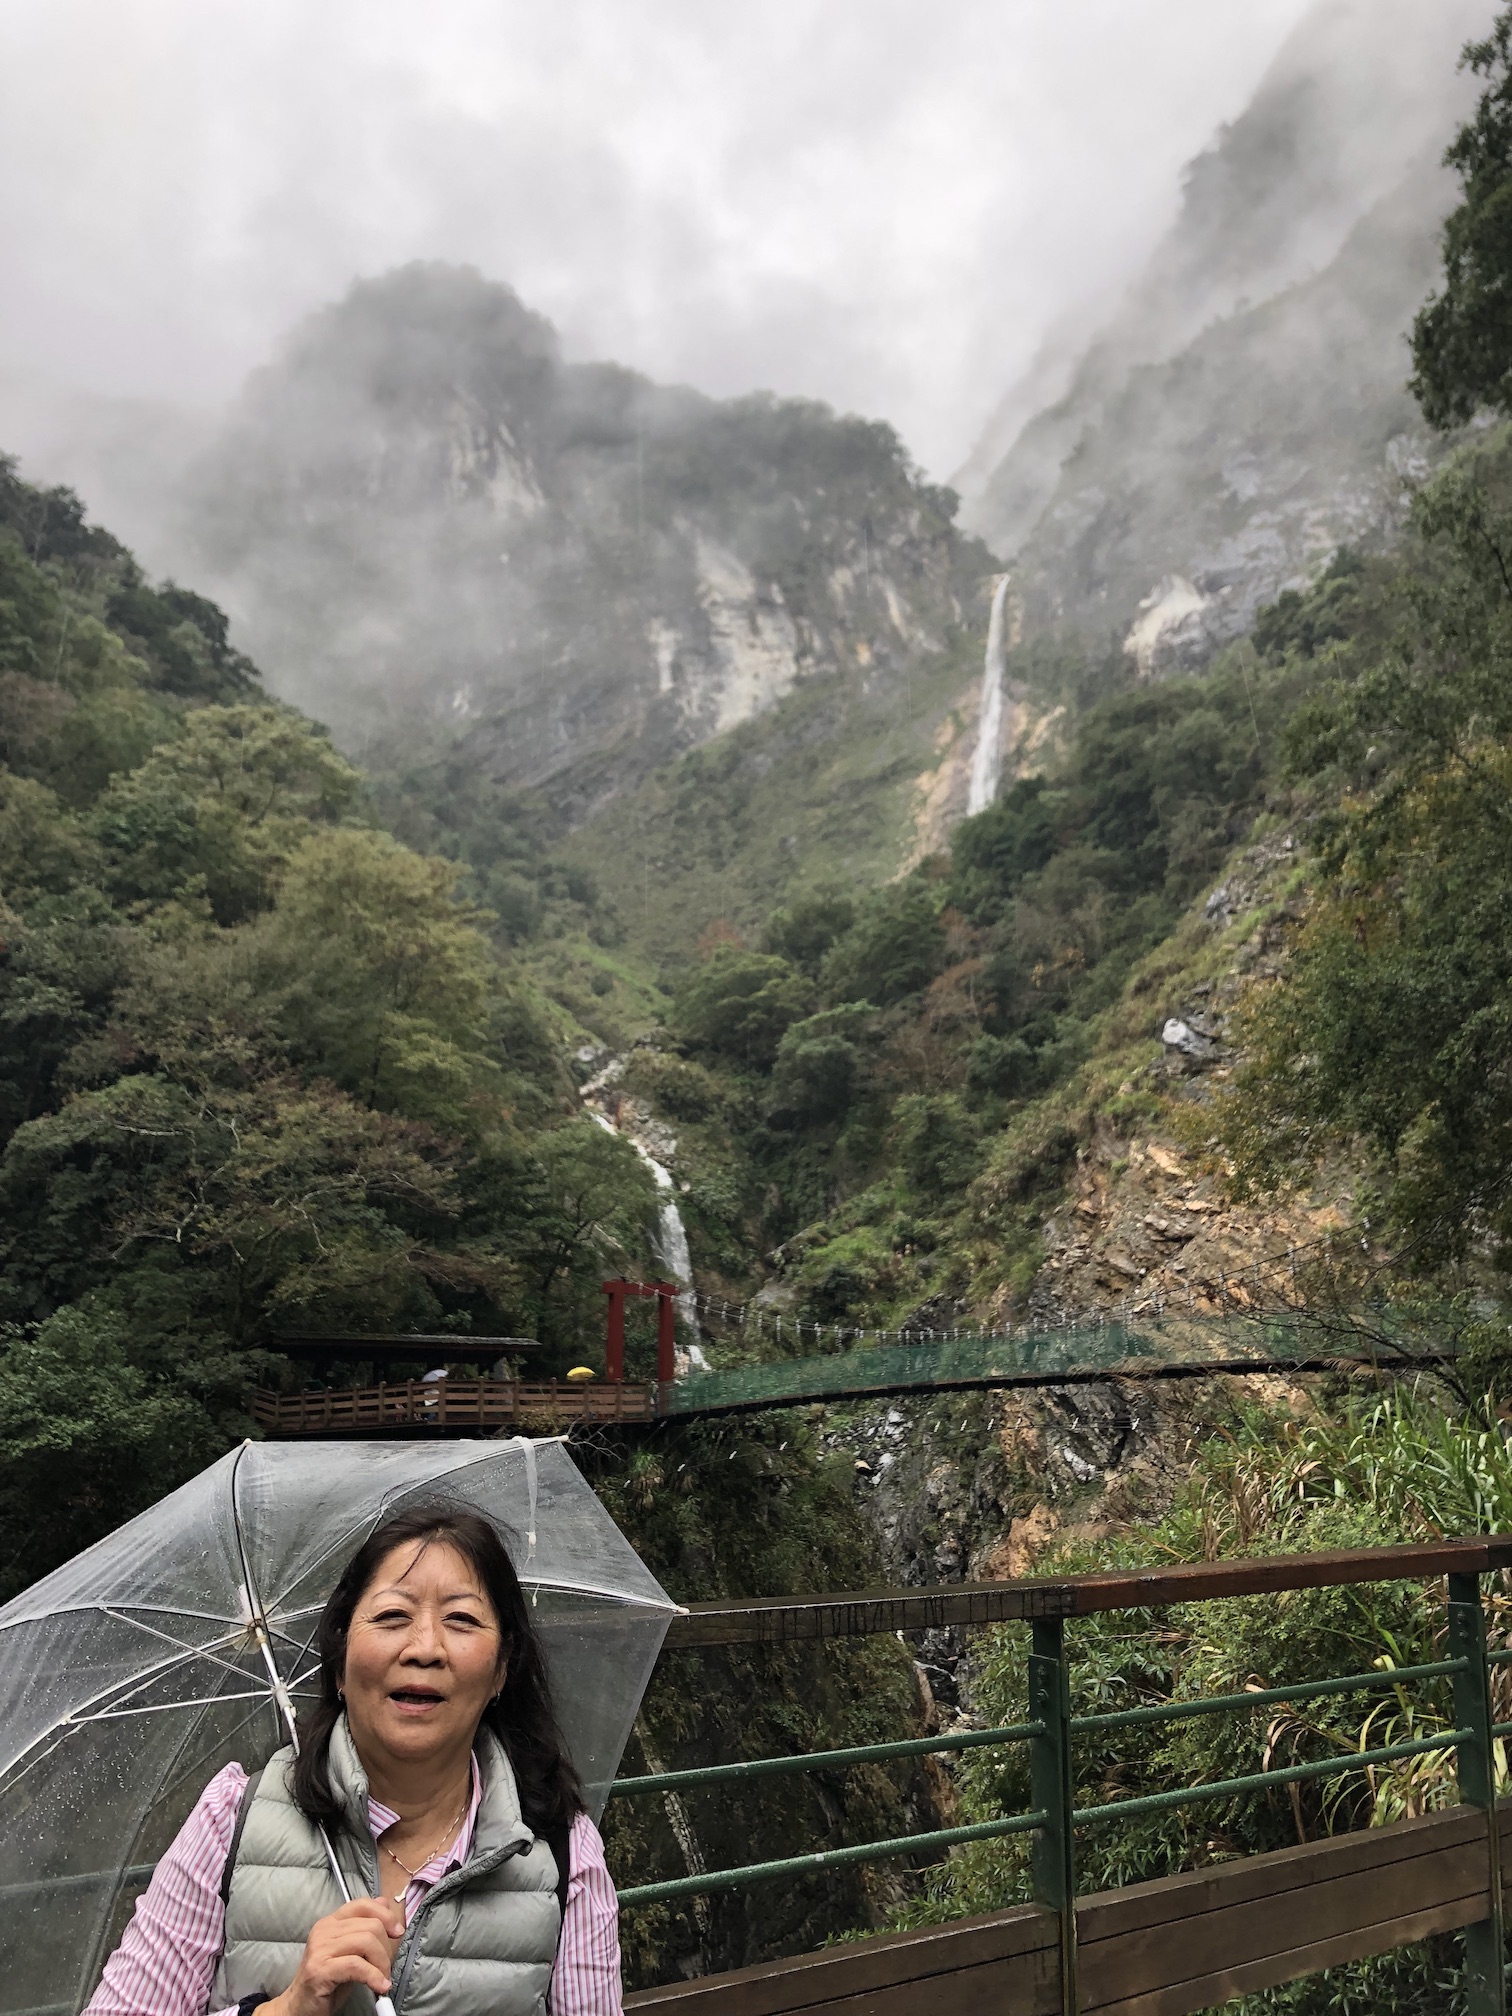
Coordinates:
[382,2005]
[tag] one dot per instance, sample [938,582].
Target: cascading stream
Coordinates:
[671,1243]
[987,763]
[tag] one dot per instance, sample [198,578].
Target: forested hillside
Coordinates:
[886,1093]
[264,1067]
[290,1047]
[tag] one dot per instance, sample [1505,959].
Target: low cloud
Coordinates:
[886,205]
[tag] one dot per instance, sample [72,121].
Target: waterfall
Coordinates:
[987,763]
[671,1243]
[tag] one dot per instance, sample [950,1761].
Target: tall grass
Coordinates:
[1421,1471]
[1402,1468]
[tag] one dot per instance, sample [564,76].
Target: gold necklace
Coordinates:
[450,1835]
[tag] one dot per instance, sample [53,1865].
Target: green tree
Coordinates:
[1462,337]
[803,930]
[740,1002]
[819,1064]
[221,807]
[88,1436]
[894,948]
[594,1206]
[386,977]
[936,1143]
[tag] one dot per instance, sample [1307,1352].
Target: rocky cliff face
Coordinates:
[1245,411]
[428,524]
[981,1486]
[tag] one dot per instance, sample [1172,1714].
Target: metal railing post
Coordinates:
[1054,1851]
[1485,1971]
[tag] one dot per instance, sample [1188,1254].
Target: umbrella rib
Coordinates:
[258,1618]
[166,1707]
[489,1454]
[121,1691]
[194,1651]
[118,1689]
[122,1608]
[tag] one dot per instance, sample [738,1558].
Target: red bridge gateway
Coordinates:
[665,1294]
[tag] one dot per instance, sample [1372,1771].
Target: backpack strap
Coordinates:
[249,1793]
[559,1840]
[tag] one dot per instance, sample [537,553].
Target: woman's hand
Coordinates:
[355,1944]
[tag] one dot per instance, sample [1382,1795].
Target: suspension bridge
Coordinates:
[777,1361]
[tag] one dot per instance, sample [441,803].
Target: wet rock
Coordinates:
[1088,1429]
[1189,1041]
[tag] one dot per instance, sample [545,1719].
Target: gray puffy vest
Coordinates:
[482,1943]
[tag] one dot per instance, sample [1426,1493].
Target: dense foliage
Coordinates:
[1390,1029]
[853,1079]
[1461,342]
[1369,1473]
[262,1067]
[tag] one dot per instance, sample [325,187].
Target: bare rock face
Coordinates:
[430,528]
[1244,410]
[982,1486]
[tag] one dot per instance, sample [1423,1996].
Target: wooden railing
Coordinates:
[452,1405]
[1171,1947]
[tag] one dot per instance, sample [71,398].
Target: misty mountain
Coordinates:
[1244,411]
[431,527]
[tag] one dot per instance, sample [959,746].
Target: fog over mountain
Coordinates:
[430,520]
[877,203]
[1244,410]
[426,522]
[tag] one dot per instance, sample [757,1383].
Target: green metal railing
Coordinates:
[1054,1819]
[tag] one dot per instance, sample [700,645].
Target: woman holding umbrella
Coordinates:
[432,1771]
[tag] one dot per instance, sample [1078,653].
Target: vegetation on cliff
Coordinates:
[261,1066]
[1362,1472]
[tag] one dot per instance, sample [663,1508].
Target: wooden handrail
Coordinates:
[1162,1948]
[401,1405]
[782,1620]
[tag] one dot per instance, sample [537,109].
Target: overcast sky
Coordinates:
[882,203]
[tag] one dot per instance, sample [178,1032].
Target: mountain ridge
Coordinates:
[427,523]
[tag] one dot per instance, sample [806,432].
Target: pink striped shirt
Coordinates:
[165,1964]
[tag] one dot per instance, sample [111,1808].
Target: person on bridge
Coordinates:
[432,1761]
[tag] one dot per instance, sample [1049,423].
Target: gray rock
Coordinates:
[1190,1042]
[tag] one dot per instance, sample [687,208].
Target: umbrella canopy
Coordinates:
[136,1671]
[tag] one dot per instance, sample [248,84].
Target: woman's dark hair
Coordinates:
[521,1716]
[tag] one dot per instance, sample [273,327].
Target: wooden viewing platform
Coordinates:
[1177,1944]
[450,1406]
[1172,1947]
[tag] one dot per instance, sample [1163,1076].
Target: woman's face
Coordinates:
[424,1656]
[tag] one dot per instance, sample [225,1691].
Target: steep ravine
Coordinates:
[978,1486]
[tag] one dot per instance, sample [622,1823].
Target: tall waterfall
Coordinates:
[987,763]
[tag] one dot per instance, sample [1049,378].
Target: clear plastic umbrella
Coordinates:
[135,1672]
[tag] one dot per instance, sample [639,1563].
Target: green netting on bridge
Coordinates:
[1035,1356]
